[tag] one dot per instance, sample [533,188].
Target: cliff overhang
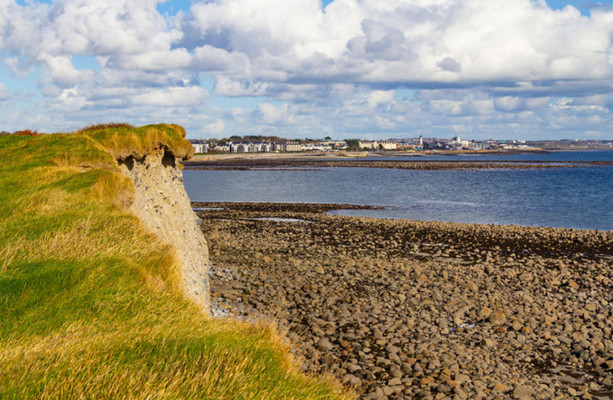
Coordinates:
[150,157]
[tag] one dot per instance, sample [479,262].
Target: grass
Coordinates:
[90,302]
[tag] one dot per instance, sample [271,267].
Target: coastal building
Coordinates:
[476,145]
[334,145]
[200,146]
[316,146]
[290,147]
[387,145]
[458,144]
[364,144]
[408,146]
[377,145]
[260,147]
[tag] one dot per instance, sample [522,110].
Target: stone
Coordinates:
[351,380]
[593,386]
[488,342]
[387,391]
[324,344]
[498,317]
[460,394]
[390,331]
[353,367]
[522,392]
[394,382]
[484,313]
[499,387]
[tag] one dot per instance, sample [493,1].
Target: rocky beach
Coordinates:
[401,309]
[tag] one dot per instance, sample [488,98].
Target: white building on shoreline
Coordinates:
[378,144]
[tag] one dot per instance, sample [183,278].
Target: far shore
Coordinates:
[341,155]
[247,161]
[357,154]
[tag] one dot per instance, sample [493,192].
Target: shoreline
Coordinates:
[343,155]
[413,309]
[330,208]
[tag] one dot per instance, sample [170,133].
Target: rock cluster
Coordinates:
[406,309]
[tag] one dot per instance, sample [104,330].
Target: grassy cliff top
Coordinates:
[90,302]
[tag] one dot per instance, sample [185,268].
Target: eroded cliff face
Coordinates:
[163,206]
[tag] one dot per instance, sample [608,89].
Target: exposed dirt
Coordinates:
[161,203]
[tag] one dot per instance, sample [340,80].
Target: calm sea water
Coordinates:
[566,197]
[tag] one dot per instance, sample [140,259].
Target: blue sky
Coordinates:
[525,69]
[583,6]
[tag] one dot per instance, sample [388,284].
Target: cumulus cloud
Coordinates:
[17,68]
[484,65]
[449,64]
[216,128]
[407,42]
[5,94]
[270,114]
[62,72]
[171,97]
[377,97]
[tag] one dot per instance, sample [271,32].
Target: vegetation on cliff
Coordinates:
[90,302]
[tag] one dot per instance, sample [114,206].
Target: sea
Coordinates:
[580,198]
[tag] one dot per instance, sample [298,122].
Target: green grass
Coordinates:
[90,303]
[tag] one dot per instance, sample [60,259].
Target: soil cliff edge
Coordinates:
[161,203]
[159,200]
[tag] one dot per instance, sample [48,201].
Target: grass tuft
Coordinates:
[91,303]
[26,132]
[94,127]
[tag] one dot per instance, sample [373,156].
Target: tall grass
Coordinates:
[90,302]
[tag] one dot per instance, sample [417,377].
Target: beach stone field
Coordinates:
[399,309]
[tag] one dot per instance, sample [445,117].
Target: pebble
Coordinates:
[391,309]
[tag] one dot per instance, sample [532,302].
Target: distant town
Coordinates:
[265,144]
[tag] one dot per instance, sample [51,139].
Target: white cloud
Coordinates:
[232,88]
[155,60]
[409,41]
[71,99]
[209,58]
[482,65]
[377,97]
[171,97]
[18,69]
[271,114]
[62,72]
[216,128]
[5,94]
[110,27]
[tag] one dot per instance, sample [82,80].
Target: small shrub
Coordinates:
[26,132]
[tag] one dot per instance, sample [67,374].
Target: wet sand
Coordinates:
[413,309]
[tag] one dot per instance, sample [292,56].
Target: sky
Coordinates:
[374,69]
